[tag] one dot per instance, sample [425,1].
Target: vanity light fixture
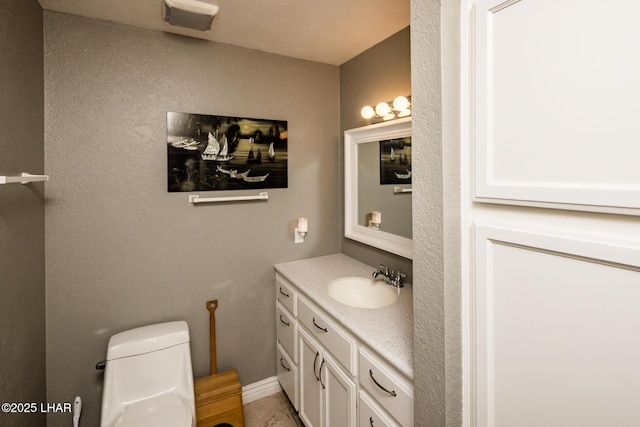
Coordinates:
[376,220]
[301,230]
[400,107]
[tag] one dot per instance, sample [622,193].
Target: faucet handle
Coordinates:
[385,268]
[399,278]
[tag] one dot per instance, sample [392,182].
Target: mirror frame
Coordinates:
[352,138]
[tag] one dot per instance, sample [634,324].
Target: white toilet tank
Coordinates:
[148,380]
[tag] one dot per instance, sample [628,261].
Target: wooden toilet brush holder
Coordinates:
[219,395]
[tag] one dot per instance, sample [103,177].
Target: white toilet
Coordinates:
[148,379]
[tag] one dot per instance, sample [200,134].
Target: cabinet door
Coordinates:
[339,395]
[310,358]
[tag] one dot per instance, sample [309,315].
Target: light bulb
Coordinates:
[382,109]
[367,112]
[400,103]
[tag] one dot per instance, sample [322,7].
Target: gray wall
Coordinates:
[378,74]
[22,280]
[435,50]
[121,251]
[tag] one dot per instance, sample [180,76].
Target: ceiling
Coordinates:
[328,31]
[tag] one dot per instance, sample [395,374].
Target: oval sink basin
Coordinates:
[360,292]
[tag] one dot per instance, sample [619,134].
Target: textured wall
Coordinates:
[379,74]
[22,313]
[435,49]
[428,286]
[121,251]
[22,304]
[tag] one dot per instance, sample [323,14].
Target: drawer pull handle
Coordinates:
[318,326]
[284,293]
[392,392]
[314,366]
[320,372]
[284,322]
[282,364]
[371,421]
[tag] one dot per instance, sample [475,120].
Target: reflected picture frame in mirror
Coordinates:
[372,234]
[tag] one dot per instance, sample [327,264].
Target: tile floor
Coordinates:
[271,411]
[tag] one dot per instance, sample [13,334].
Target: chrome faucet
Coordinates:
[390,277]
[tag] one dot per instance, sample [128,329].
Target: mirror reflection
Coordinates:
[384,176]
[378,186]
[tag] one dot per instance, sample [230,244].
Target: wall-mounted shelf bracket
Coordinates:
[397,190]
[24,178]
[194,198]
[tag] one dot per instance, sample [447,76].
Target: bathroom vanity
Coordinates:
[342,365]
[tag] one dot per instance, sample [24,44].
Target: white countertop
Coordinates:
[387,330]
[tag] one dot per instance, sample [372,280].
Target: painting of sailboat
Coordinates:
[215,153]
[395,161]
[271,153]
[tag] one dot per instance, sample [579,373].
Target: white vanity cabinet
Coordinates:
[333,376]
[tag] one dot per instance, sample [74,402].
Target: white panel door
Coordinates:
[557,328]
[556,118]
[551,300]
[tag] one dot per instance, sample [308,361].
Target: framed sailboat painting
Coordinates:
[216,153]
[395,161]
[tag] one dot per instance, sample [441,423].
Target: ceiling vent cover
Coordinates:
[192,14]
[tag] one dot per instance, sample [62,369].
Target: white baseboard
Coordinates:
[261,389]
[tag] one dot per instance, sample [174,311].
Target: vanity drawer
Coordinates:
[286,294]
[288,376]
[387,388]
[371,415]
[286,331]
[333,338]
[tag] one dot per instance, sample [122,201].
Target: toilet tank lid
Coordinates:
[147,339]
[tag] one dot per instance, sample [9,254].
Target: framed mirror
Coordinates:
[377,206]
